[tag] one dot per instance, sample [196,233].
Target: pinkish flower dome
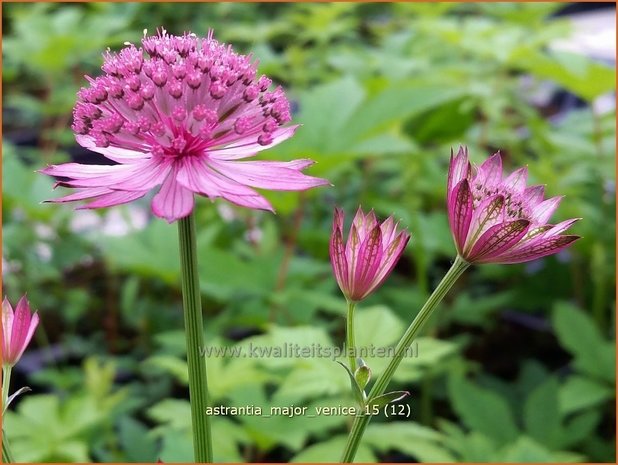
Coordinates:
[180,116]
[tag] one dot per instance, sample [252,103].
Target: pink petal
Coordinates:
[561,227]
[351,251]
[272,175]
[516,181]
[248,146]
[338,218]
[79,171]
[543,211]
[459,168]
[82,194]
[113,153]
[338,260]
[533,195]
[173,201]
[20,331]
[255,201]
[390,257]
[537,250]
[490,172]
[369,258]
[497,240]
[460,210]
[146,175]
[489,212]
[359,220]
[113,198]
[197,176]
[389,230]
[7,324]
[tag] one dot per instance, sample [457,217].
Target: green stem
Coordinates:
[6,381]
[194,326]
[361,421]
[7,456]
[350,345]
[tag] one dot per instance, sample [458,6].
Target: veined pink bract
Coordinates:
[180,117]
[500,220]
[370,254]
[17,329]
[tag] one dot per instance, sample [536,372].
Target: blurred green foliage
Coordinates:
[519,364]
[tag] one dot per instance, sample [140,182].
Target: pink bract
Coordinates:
[370,254]
[17,329]
[180,116]
[495,219]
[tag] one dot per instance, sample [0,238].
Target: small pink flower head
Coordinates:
[368,257]
[180,112]
[500,220]
[17,330]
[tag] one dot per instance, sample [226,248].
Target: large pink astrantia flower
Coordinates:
[370,254]
[17,330]
[500,220]
[180,117]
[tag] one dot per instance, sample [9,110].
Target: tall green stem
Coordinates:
[7,457]
[350,345]
[361,421]
[194,327]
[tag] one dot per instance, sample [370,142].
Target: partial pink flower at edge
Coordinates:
[17,329]
[367,258]
[180,117]
[500,220]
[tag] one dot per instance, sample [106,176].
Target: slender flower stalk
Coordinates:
[362,420]
[180,112]
[7,456]
[493,220]
[194,331]
[350,345]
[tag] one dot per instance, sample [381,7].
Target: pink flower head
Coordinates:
[368,257]
[180,116]
[17,330]
[500,220]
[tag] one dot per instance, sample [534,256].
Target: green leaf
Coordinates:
[482,410]
[137,444]
[420,442]
[541,414]
[579,393]
[170,364]
[358,392]
[389,397]
[330,451]
[526,450]
[574,72]
[581,427]
[579,335]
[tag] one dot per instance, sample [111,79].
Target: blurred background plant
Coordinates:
[518,366]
